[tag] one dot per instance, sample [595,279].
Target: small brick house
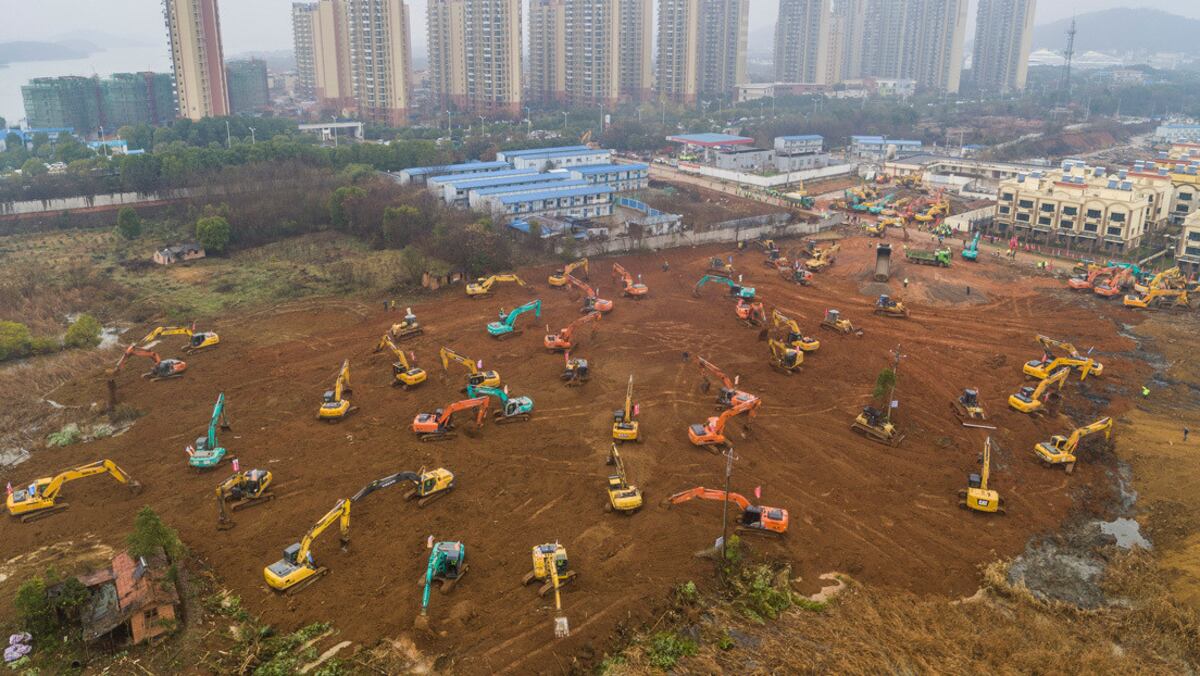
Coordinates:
[180,252]
[131,601]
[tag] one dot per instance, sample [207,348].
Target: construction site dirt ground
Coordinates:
[885,516]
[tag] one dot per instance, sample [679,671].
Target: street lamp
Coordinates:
[565,114]
[228,139]
[252,141]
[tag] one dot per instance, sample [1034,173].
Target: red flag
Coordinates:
[236,464]
[637,409]
[758,492]
[8,489]
[189,450]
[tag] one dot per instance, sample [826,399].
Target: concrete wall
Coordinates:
[962,222]
[773,226]
[775,181]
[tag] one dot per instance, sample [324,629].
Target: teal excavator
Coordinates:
[512,409]
[447,564]
[208,453]
[504,328]
[735,290]
[971,253]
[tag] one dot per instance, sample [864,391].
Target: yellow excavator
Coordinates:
[558,279]
[404,373]
[623,496]
[1060,450]
[334,404]
[977,496]
[1170,278]
[197,340]
[550,567]
[427,486]
[625,424]
[784,359]
[243,490]
[475,375]
[1068,356]
[483,286]
[1029,398]
[298,569]
[795,336]
[40,498]
[1176,299]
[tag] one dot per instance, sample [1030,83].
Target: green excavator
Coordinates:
[504,328]
[447,564]
[512,409]
[735,290]
[208,453]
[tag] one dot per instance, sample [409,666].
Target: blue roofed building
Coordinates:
[591,201]
[420,175]
[622,177]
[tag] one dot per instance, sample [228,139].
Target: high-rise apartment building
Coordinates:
[607,50]
[802,36]
[701,47]
[89,104]
[303,16]
[248,89]
[846,40]
[547,68]
[475,54]
[1003,38]
[332,82]
[194,31]
[917,39]
[380,58]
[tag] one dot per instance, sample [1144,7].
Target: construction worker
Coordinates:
[1145,391]
[906,282]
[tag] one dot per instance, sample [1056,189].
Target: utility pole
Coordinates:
[895,379]
[228,139]
[725,504]
[252,141]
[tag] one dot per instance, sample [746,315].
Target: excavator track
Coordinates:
[439,436]
[875,436]
[750,530]
[501,419]
[252,502]
[563,580]
[422,502]
[296,589]
[43,513]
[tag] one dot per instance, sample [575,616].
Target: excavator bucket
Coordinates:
[562,628]
[421,623]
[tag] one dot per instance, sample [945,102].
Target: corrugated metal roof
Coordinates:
[465,166]
[606,168]
[509,154]
[565,182]
[456,179]
[515,179]
[803,137]
[710,139]
[547,194]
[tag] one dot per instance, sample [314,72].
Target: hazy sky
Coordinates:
[266,24]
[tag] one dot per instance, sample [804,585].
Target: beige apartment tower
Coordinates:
[547,82]
[1003,38]
[475,55]
[607,55]
[678,41]
[701,48]
[303,14]
[917,39]
[322,42]
[849,25]
[194,31]
[380,59]
[802,41]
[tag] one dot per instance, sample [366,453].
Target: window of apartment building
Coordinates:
[1114,232]
[1093,213]
[1090,227]
[1181,208]
[1007,197]
[1117,217]
[1192,251]
[1025,204]
[1066,225]
[1070,211]
[1044,220]
[1185,197]
[1023,218]
[1004,209]
[1194,236]
[1048,208]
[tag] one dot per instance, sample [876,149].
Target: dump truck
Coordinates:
[939,257]
[883,262]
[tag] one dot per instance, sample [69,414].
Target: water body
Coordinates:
[104,63]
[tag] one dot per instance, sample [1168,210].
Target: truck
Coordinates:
[939,257]
[883,262]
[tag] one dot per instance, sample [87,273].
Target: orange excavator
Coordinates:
[756,519]
[439,425]
[1114,285]
[635,290]
[711,434]
[563,340]
[751,313]
[729,395]
[162,369]
[591,302]
[1088,281]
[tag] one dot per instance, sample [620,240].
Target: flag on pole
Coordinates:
[736,379]
[479,364]
[8,489]
[895,403]
[758,492]
[637,409]
[189,450]
[429,543]
[236,465]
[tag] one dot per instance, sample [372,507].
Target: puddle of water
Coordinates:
[1127,532]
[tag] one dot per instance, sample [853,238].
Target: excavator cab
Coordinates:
[576,372]
[769,519]
[202,340]
[542,555]
[252,486]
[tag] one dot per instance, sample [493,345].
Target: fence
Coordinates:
[742,229]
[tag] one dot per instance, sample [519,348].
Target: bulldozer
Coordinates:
[711,434]
[623,496]
[890,307]
[795,337]
[834,321]
[447,565]
[475,374]
[577,371]
[1060,450]
[823,259]
[564,339]
[558,279]
[482,287]
[40,498]
[977,496]
[875,425]
[754,519]
[163,369]
[439,425]
[404,373]
[550,567]
[1029,399]
[625,424]
[967,406]
[405,329]
[243,490]
[197,340]
[427,486]
[298,569]
[630,288]
[334,404]
[784,359]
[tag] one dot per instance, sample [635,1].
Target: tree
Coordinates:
[129,225]
[399,225]
[84,332]
[34,167]
[150,534]
[340,202]
[34,609]
[141,173]
[885,382]
[15,340]
[213,233]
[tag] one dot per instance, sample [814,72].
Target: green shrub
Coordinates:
[129,226]
[213,233]
[34,610]
[15,340]
[84,332]
[69,434]
[150,533]
[666,649]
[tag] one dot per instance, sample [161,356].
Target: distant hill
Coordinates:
[12,52]
[1123,30]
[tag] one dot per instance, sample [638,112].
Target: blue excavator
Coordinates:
[735,289]
[208,453]
[512,409]
[504,328]
[447,564]
[971,253]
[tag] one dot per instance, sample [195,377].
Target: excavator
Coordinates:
[728,396]
[877,228]
[475,375]
[625,424]
[635,290]
[711,434]
[890,307]
[1170,278]
[1042,368]
[558,279]
[244,490]
[1088,280]
[404,374]
[298,569]
[407,328]
[591,302]
[197,340]
[754,519]
[483,286]
[795,336]
[39,499]
[208,453]
[1159,298]
[874,425]
[504,328]
[750,313]
[512,409]
[835,322]
[564,339]
[1029,398]
[977,496]
[334,404]
[823,259]
[623,496]
[427,486]
[439,425]
[1113,285]
[971,252]
[967,406]
[1060,450]
[784,359]
[735,290]
[577,371]
[163,369]
[447,565]
[550,567]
